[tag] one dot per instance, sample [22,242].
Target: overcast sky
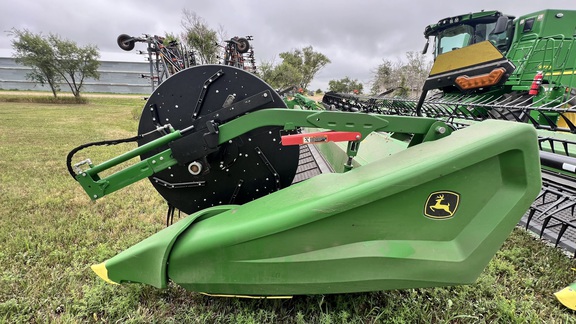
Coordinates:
[355,35]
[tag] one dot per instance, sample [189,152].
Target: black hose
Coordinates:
[101,143]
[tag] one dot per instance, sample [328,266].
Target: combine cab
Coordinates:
[540,48]
[219,144]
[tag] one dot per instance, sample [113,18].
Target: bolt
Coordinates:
[153,161]
[161,158]
[440,129]
[265,95]
[195,168]
[357,136]
[95,196]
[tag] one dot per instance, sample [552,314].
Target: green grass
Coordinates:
[50,233]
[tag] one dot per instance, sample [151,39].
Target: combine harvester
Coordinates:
[529,78]
[220,145]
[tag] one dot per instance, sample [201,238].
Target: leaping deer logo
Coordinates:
[442,204]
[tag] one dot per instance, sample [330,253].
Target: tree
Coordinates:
[307,61]
[415,71]
[199,37]
[345,85]
[297,68]
[383,80]
[281,76]
[408,76]
[35,51]
[54,60]
[73,63]
[170,38]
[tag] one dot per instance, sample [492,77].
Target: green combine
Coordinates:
[489,65]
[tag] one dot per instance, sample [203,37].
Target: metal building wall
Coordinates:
[115,77]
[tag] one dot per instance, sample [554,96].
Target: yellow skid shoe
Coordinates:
[567,296]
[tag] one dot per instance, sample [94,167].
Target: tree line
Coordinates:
[56,61]
[403,77]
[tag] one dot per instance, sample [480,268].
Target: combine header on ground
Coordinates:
[219,144]
[423,191]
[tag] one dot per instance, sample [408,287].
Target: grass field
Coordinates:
[50,234]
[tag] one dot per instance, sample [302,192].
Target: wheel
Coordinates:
[242,45]
[243,169]
[126,42]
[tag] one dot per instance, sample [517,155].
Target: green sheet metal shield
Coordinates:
[363,230]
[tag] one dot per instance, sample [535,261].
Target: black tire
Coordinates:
[242,45]
[126,42]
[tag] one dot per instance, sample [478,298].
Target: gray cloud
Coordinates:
[355,35]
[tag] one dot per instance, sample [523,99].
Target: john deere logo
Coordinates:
[442,204]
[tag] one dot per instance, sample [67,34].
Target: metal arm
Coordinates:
[424,129]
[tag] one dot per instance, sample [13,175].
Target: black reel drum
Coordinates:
[241,170]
